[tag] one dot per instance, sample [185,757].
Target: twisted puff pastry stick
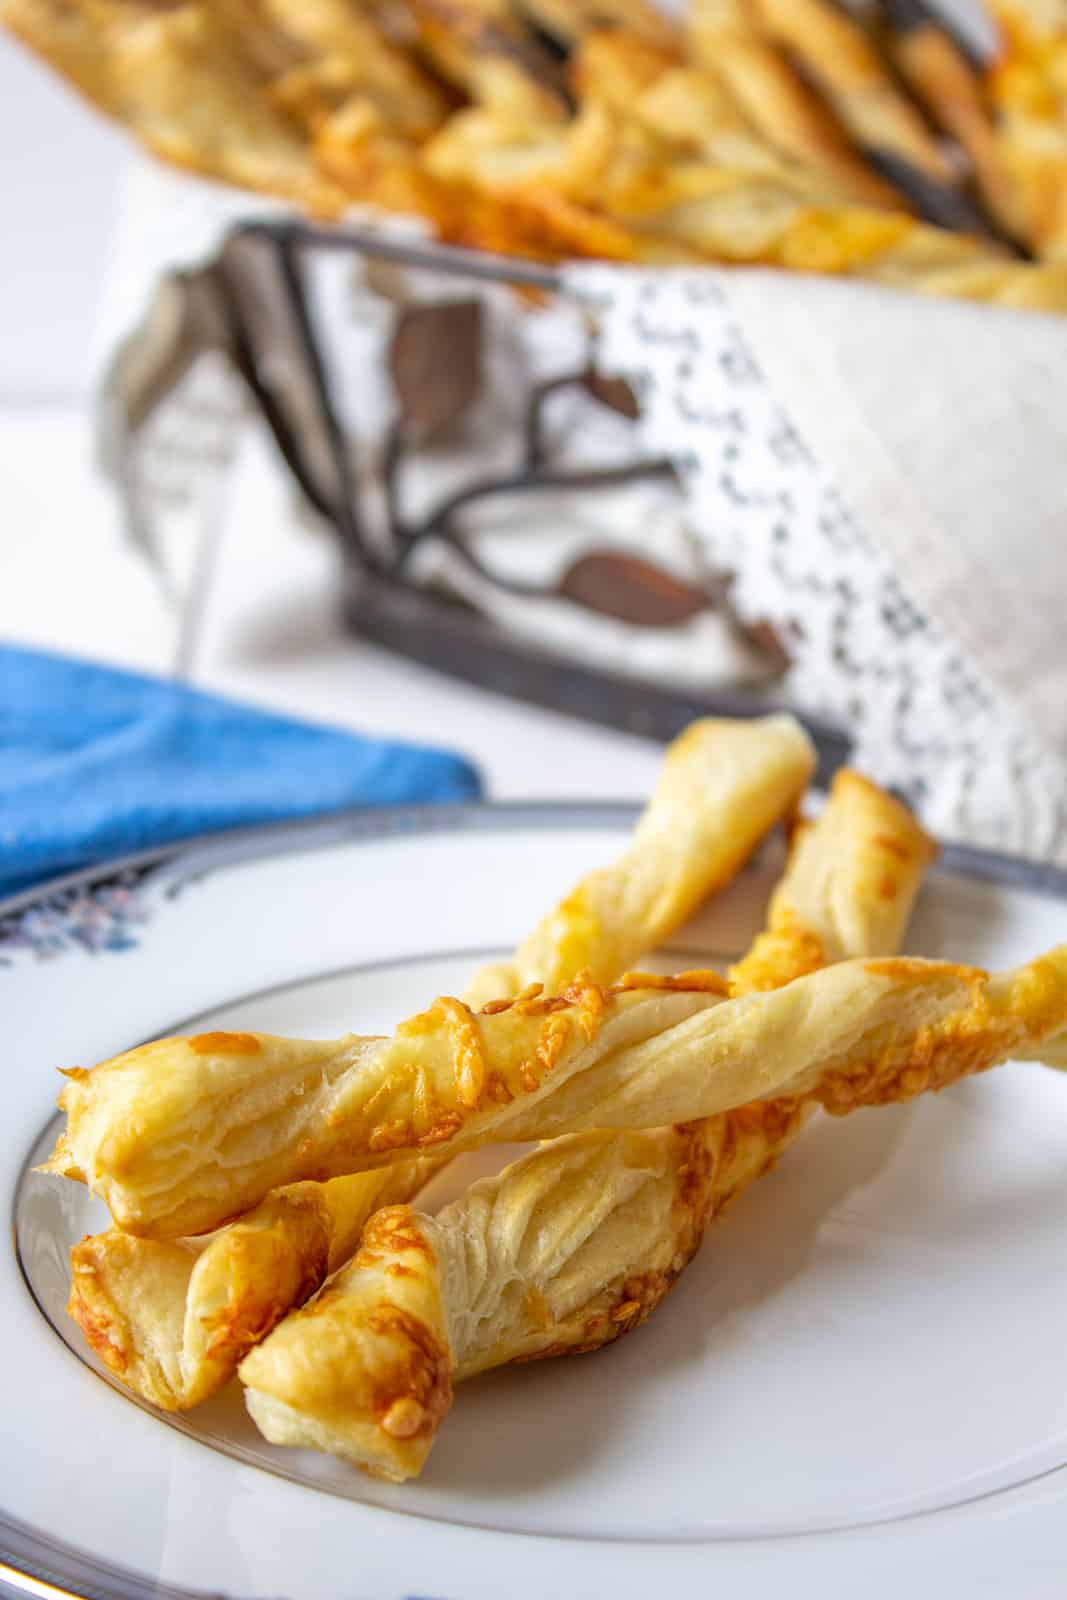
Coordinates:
[569,20]
[180,1135]
[722,788]
[950,88]
[172,1319]
[1026,88]
[177,78]
[183,1133]
[834,52]
[724,39]
[724,785]
[848,891]
[579,1242]
[610,168]
[317,57]
[525,1265]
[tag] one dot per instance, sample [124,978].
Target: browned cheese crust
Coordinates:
[172,1319]
[175,1139]
[562,1253]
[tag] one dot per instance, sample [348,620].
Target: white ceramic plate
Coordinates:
[858,1384]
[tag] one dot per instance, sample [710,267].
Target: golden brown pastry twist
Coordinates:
[951,90]
[719,779]
[579,1242]
[692,112]
[662,203]
[836,55]
[182,1134]
[564,1251]
[724,39]
[1026,86]
[317,57]
[174,75]
[172,1319]
[321,106]
[723,786]
[849,889]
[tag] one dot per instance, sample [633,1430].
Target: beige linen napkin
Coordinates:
[887,478]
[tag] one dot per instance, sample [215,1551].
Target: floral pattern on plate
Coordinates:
[102,917]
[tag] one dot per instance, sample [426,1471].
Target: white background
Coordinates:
[67,581]
[60,170]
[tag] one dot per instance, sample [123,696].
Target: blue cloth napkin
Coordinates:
[97,763]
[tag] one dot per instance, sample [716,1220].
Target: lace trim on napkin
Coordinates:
[924,717]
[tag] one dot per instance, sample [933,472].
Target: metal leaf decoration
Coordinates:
[436,361]
[619,585]
[613,392]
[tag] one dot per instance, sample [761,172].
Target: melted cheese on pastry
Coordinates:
[578,1244]
[180,1135]
[171,1318]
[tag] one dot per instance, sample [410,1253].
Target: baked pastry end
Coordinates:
[365,1370]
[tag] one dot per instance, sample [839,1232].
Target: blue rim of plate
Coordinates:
[35,1562]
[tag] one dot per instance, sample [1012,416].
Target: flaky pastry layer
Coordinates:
[579,1243]
[180,1135]
[562,1252]
[173,1318]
